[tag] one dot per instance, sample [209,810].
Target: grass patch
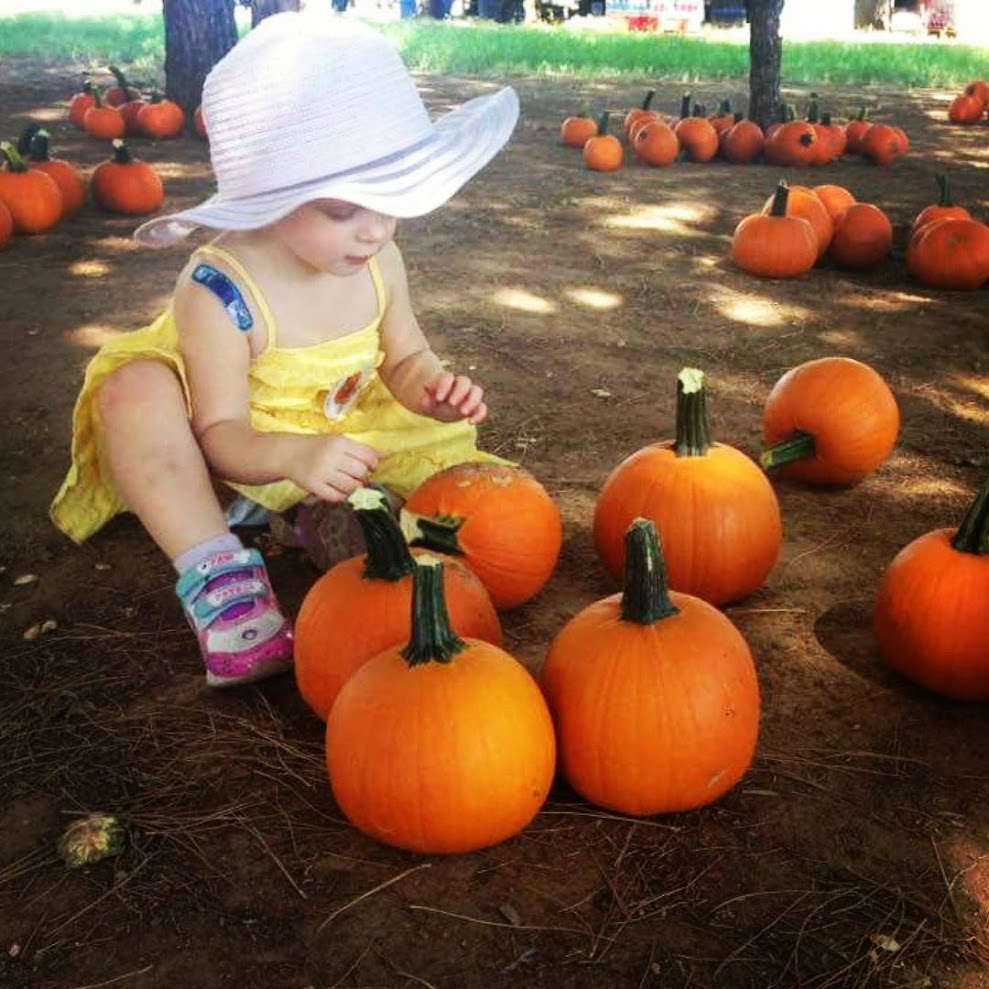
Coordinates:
[482,49]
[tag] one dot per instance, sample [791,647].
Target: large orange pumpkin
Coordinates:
[653,693]
[775,244]
[125,184]
[832,420]
[931,605]
[863,236]
[803,201]
[716,512]
[362,606]
[443,746]
[498,518]
[950,253]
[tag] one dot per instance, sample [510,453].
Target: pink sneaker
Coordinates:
[231,607]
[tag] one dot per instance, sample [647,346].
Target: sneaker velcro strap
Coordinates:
[194,580]
[208,607]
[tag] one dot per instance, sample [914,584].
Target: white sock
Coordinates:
[227,543]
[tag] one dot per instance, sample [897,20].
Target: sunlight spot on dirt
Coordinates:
[43,115]
[678,218]
[593,298]
[842,338]
[755,310]
[120,244]
[929,487]
[89,269]
[92,337]
[890,302]
[978,385]
[519,298]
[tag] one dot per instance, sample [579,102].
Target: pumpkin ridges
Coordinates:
[950,253]
[33,198]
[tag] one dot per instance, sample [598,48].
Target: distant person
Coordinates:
[289,366]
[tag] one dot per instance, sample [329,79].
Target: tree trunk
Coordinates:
[198,33]
[765,58]
[260,9]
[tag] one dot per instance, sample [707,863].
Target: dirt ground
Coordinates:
[855,853]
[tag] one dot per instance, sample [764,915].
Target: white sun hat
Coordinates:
[317,106]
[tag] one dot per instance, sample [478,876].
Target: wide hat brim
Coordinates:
[411,182]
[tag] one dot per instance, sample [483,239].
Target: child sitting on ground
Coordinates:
[290,364]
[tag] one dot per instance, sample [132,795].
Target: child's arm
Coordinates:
[411,369]
[217,356]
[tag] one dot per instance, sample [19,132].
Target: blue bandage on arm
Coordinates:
[228,293]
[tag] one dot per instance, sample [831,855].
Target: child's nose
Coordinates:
[376,226]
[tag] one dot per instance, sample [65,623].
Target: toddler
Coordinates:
[290,364]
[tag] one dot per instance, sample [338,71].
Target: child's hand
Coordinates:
[331,467]
[451,397]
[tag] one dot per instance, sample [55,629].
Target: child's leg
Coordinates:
[159,471]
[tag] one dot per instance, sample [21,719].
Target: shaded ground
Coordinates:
[853,854]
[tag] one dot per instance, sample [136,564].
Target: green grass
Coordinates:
[482,49]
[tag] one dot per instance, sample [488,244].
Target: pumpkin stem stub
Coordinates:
[432,639]
[797,446]
[388,555]
[438,532]
[973,534]
[646,593]
[693,435]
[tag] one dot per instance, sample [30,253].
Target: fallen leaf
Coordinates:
[25,578]
[601,393]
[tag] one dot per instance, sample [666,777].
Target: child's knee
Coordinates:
[147,384]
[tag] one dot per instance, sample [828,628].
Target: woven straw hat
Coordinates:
[314,106]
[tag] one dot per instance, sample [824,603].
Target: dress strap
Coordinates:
[379,285]
[247,280]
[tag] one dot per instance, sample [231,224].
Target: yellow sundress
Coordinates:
[330,387]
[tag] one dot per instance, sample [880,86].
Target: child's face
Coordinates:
[335,237]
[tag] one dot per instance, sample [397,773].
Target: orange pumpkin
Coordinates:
[835,198]
[697,136]
[67,178]
[498,518]
[775,244]
[361,606]
[603,152]
[742,143]
[160,118]
[863,236]
[656,144]
[574,131]
[123,92]
[950,253]
[643,113]
[930,608]
[443,746]
[653,693]
[968,106]
[81,102]
[802,201]
[793,145]
[130,112]
[102,121]
[883,144]
[855,130]
[125,184]
[716,512]
[32,197]
[832,420]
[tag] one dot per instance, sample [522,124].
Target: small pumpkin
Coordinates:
[883,144]
[793,145]
[603,152]
[835,198]
[829,421]
[696,134]
[574,131]
[655,144]
[742,143]
[968,107]
[442,746]
[803,201]
[102,121]
[497,518]
[863,237]
[855,130]
[950,253]
[123,92]
[715,510]
[67,178]
[361,606]
[653,693]
[643,113]
[130,112]
[81,102]
[125,184]
[32,197]
[930,608]
[775,244]
[160,118]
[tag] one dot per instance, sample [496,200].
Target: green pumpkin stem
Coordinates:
[433,639]
[944,191]
[973,534]
[15,162]
[438,532]
[685,106]
[646,593]
[693,435]
[647,102]
[798,446]
[603,123]
[121,153]
[780,199]
[388,555]
[26,137]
